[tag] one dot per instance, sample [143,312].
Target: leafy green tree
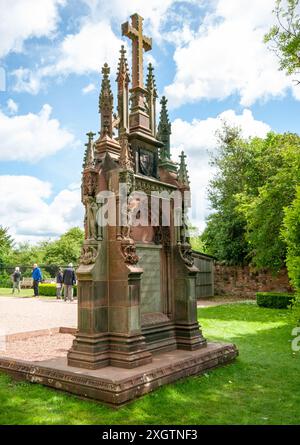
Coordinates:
[6,245]
[28,254]
[291,235]
[196,240]
[284,38]
[255,181]
[224,236]
[66,249]
[263,210]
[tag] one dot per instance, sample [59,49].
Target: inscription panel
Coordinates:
[151,279]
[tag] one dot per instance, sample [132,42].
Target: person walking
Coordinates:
[59,283]
[16,279]
[69,279]
[37,278]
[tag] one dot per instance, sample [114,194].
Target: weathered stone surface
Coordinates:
[117,386]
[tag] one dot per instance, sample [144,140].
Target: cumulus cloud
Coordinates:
[82,52]
[18,24]
[198,139]
[227,56]
[31,137]
[26,211]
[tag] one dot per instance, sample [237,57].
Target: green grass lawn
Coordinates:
[4,292]
[261,387]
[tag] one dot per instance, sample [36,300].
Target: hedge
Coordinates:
[276,300]
[49,290]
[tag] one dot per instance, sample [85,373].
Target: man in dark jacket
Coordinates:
[69,279]
[59,283]
[37,278]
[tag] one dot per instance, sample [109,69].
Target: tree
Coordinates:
[66,249]
[196,240]
[291,235]
[264,209]
[224,236]
[255,181]
[6,244]
[284,38]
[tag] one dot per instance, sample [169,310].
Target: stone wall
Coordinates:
[245,282]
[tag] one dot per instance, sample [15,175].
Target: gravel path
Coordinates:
[37,349]
[30,314]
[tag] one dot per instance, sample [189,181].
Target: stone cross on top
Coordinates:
[139,43]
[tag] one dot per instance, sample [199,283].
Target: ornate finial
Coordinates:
[164,130]
[150,83]
[151,99]
[106,103]
[123,80]
[183,176]
[125,161]
[89,160]
[123,70]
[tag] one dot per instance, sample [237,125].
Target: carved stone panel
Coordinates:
[150,261]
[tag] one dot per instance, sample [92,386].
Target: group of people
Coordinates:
[65,280]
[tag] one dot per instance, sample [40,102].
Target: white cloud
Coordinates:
[27,81]
[95,42]
[12,106]
[227,56]
[198,139]
[25,210]
[79,53]
[31,137]
[89,88]
[23,19]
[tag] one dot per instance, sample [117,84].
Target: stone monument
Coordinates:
[136,289]
[137,308]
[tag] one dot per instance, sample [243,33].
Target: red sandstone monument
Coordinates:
[137,308]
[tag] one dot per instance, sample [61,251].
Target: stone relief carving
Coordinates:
[88,255]
[129,253]
[186,254]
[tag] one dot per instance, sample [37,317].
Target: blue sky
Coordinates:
[209,60]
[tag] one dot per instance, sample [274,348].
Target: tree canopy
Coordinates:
[62,251]
[284,37]
[255,182]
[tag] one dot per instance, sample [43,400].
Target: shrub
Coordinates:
[49,290]
[274,300]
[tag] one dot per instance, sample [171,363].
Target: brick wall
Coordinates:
[244,282]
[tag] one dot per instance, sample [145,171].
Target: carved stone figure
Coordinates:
[91,217]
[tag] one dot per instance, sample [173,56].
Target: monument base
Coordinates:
[117,386]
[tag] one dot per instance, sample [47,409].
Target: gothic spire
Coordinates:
[183,176]
[151,99]
[123,80]
[106,103]
[164,130]
[89,161]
